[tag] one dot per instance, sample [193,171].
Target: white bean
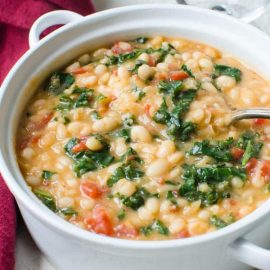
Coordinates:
[158,167]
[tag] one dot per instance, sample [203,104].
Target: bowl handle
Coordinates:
[251,254]
[49,19]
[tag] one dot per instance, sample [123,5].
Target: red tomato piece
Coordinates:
[147,109]
[259,121]
[151,62]
[237,153]
[91,190]
[184,234]
[81,146]
[79,70]
[265,170]
[100,221]
[124,231]
[178,75]
[251,165]
[118,49]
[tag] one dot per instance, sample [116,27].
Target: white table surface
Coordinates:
[28,256]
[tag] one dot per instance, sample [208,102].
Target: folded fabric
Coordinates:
[16,17]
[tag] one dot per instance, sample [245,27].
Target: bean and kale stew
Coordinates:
[133,141]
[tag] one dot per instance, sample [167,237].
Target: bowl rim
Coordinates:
[57,223]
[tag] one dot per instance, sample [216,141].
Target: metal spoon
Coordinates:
[249,114]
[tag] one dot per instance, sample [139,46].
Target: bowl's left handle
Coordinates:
[57,17]
[250,254]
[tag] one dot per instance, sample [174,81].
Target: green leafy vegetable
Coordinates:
[160,227]
[139,92]
[95,115]
[140,40]
[130,172]
[130,156]
[46,175]
[88,160]
[157,226]
[68,211]
[124,133]
[172,183]
[170,196]
[122,214]
[177,128]
[137,199]
[228,71]
[67,103]
[59,82]
[187,70]
[219,151]
[249,142]
[212,175]
[218,222]
[138,63]
[162,115]
[46,198]
[170,87]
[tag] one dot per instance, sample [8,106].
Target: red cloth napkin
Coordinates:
[16,17]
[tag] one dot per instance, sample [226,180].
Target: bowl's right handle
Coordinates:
[57,17]
[251,254]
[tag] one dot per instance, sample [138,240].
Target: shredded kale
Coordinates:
[220,223]
[46,198]
[157,226]
[138,63]
[87,160]
[130,172]
[177,128]
[139,92]
[122,214]
[249,142]
[131,156]
[212,175]
[68,211]
[82,99]
[47,175]
[137,199]
[170,197]
[140,40]
[219,151]
[59,82]
[228,71]
[187,70]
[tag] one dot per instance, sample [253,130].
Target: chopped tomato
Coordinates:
[147,109]
[79,70]
[119,48]
[100,221]
[124,231]
[251,165]
[184,234]
[178,75]
[91,190]
[259,121]
[28,140]
[237,153]
[151,62]
[81,146]
[38,125]
[265,170]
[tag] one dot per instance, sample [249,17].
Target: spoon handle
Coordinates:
[250,113]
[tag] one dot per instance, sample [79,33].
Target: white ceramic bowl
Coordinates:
[69,247]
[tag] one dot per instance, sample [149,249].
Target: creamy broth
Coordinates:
[132,141]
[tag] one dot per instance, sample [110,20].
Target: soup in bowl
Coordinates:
[134,140]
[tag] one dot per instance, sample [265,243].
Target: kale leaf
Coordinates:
[228,71]
[46,198]
[219,151]
[59,81]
